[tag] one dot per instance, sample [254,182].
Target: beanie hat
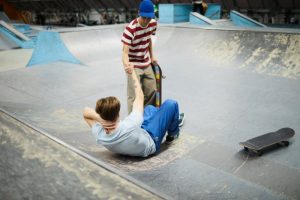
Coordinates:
[146,9]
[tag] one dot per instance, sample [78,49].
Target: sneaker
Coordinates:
[171,138]
[181,119]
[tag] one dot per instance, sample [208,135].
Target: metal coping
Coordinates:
[233,28]
[188,26]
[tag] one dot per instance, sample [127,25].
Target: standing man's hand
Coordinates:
[128,67]
[154,61]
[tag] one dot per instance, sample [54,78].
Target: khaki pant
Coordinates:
[148,83]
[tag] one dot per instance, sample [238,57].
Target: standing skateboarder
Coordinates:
[138,53]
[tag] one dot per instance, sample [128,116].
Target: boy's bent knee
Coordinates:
[170,102]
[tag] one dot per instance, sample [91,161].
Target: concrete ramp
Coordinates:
[264,51]
[272,53]
[25,149]
[231,84]
[14,59]
[96,45]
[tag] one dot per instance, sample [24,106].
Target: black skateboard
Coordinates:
[258,144]
[158,76]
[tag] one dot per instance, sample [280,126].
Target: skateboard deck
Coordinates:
[258,144]
[158,77]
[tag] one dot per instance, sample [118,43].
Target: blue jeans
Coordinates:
[157,121]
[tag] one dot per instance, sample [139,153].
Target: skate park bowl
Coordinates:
[232,84]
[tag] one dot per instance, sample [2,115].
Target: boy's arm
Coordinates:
[90,116]
[138,103]
[125,59]
[153,59]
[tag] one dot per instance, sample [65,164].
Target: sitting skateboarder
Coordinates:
[141,132]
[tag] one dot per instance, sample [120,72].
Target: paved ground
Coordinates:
[34,167]
[232,85]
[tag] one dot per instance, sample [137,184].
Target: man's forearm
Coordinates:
[128,67]
[125,58]
[89,113]
[138,103]
[151,49]
[137,86]
[92,117]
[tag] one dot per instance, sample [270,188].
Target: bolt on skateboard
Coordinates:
[258,144]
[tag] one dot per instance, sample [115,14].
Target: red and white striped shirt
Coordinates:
[138,39]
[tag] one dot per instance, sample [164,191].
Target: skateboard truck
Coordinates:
[259,143]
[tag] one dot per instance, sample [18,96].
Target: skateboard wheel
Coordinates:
[285,143]
[259,153]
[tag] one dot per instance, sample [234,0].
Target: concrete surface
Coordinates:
[34,167]
[232,85]
[14,58]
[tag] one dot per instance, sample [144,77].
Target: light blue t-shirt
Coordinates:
[128,138]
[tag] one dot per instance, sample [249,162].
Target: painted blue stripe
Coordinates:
[242,20]
[213,11]
[173,13]
[50,48]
